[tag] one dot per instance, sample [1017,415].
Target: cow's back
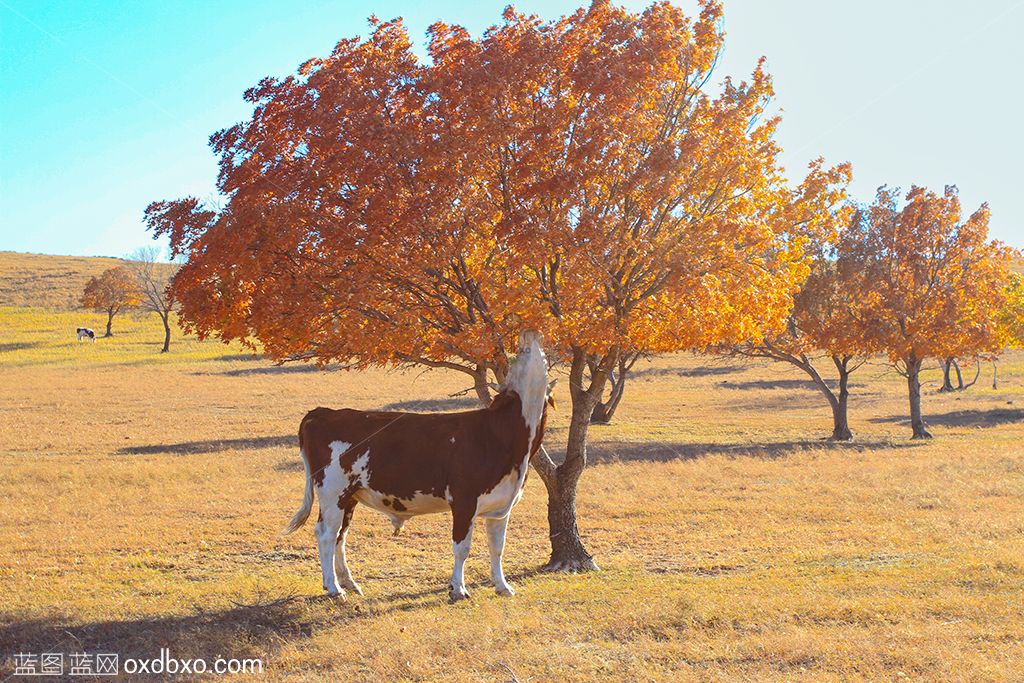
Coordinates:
[405,454]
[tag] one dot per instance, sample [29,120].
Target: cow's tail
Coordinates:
[307,496]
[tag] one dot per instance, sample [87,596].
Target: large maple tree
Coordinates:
[578,175]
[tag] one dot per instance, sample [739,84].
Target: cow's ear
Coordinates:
[551,393]
[551,402]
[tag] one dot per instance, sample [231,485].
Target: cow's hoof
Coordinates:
[354,587]
[457,594]
[336,593]
[505,590]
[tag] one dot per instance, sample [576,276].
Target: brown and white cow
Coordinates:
[473,463]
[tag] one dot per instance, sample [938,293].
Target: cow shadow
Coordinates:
[962,418]
[605,452]
[211,446]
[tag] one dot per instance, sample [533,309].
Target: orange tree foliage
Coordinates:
[111,292]
[1010,327]
[932,283]
[573,175]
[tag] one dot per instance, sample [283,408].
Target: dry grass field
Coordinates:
[143,496]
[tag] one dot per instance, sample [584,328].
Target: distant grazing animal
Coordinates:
[86,333]
[473,463]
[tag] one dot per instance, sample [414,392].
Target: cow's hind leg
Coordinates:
[496,527]
[327,528]
[340,565]
[462,537]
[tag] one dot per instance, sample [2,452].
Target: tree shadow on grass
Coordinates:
[239,357]
[258,629]
[439,405]
[775,384]
[18,346]
[962,418]
[271,370]
[246,630]
[602,452]
[700,371]
[212,446]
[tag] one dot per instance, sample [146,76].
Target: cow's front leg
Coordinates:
[496,543]
[462,536]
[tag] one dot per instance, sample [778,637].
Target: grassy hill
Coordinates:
[48,281]
[39,312]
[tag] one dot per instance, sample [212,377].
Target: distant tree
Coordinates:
[821,324]
[114,290]
[605,408]
[931,283]
[1011,315]
[951,365]
[154,280]
[1010,326]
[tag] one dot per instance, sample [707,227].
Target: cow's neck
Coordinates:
[528,377]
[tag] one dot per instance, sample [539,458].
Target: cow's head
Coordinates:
[528,377]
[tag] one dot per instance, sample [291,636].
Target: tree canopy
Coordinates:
[931,282]
[578,176]
[112,291]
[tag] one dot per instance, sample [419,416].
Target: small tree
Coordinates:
[154,281]
[821,324]
[1010,325]
[111,292]
[931,283]
[951,365]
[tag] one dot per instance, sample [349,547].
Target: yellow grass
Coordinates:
[142,502]
[41,336]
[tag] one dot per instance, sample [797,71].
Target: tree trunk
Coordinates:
[959,375]
[110,321]
[947,382]
[995,375]
[567,550]
[167,333]
[914,391]
[568,554]
[604,410]
[480,385]
[840,421]
[977,374]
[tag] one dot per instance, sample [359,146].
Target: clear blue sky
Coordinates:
[106,106]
